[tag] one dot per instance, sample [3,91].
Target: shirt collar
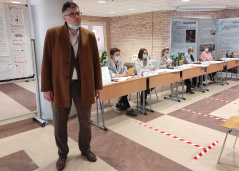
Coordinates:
[77,34]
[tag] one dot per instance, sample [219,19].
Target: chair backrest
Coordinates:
[131,71]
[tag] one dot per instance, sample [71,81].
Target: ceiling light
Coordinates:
[185,0]
[112,12]
[131,9]
[201,8]
[101,2]
[15,2]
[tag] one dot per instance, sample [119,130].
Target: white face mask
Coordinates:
[206,49]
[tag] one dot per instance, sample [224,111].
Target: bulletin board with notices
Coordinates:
[16,61]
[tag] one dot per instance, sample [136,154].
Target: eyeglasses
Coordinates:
[73,15]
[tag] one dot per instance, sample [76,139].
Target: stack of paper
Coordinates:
[121,78]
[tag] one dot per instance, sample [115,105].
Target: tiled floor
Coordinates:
[127,145]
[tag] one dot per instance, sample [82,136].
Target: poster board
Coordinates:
[222,36]
[16,62]
[184,34]
[208,29]
[228,38]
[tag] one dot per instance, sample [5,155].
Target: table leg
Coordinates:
[171,96]
[97,113]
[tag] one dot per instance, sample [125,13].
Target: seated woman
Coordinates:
[165,61]
[143,64]
[118,69]
[206,56]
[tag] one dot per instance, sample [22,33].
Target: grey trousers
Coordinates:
[60,119]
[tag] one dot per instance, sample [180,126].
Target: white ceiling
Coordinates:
[121,7]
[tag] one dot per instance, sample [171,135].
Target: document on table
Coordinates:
[201,65]
[173,70]
[226,59]
[158,71]
[121,78]
[215,62]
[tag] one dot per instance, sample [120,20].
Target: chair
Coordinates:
[233,125]
[131,70]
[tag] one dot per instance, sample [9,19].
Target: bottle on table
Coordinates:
[150,66]
[139,73]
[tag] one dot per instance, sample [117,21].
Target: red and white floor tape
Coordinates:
[201,114]
[233,90]
[206,150]
[220,100]
[170,135]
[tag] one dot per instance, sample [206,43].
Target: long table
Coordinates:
[164,79]
[215,67]
[118,89]
[188,73]
[231,64]
[133,85]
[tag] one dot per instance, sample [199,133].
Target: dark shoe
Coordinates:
[90,156]
[121,107]
[189,90]
[131,113]
[60,164]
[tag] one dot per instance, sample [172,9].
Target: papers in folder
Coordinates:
[201,65]
[121,78]
[173,70]
[211,62]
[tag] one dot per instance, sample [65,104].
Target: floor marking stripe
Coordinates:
[201,114]
[220,100]
[170,135]
[206,150]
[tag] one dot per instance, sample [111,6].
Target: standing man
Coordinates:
[71,71]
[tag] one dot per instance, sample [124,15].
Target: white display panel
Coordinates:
[99,34]
[18,63]
[208,36]
[184,34]
[228,38]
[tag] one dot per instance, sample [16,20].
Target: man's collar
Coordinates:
[78,31]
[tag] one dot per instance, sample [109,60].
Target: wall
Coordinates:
[132,32]
[100,19]
[135,31]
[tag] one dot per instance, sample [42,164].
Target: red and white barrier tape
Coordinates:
[206,150]
[220,100]
[170,135]
[201,114]
[233,90]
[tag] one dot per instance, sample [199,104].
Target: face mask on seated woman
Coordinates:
[145,56]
